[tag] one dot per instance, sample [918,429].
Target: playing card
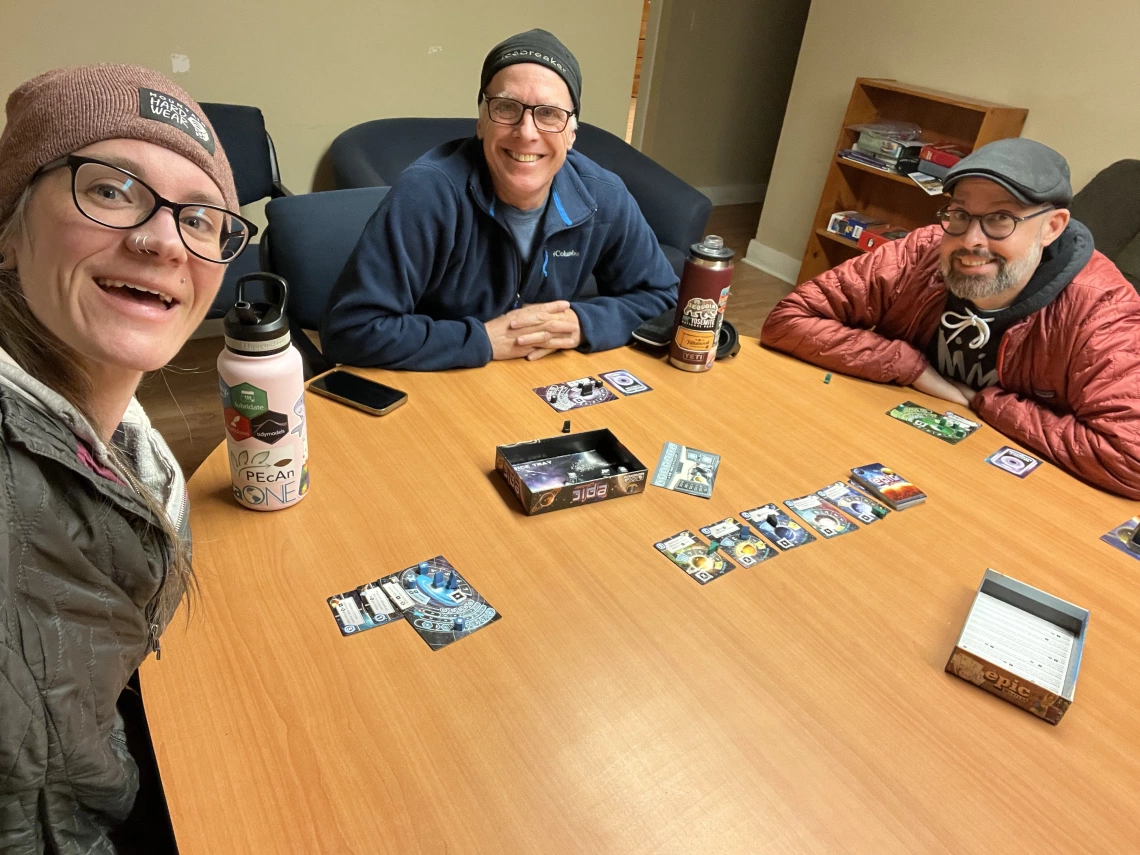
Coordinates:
[1011,460]
[692,555]
[948,427]
[686,470]
[821,515]
[625,382]
[583,392]
[747,550]
[354,614]
[1120,536]
[783,531]
[854,503]
[438,602]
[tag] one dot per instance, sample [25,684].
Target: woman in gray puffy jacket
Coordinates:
[116,224]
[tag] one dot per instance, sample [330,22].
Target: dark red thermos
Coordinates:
[700,305]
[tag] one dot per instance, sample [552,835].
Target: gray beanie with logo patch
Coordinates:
[541,48]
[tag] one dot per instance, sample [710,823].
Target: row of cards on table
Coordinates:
[831,512]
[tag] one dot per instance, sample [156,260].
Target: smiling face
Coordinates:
[522,159]
[90,286]
[991,272]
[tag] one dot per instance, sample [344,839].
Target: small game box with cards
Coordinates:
[572,469]
[1022,645]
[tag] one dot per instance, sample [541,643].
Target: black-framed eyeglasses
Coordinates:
[547,118]
[115,198]
[996,226]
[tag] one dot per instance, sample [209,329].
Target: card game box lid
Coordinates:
[1023,645]
[570,469]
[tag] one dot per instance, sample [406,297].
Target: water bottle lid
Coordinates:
[259,329]
[712,248]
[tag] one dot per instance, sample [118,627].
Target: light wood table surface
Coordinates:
[619,707]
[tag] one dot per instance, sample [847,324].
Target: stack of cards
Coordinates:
[432,596]
[887,485]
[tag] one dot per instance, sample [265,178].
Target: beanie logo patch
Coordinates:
[170,111]
[536,56]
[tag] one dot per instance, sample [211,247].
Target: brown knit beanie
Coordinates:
[66,109]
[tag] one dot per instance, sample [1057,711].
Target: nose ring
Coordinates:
[140,245]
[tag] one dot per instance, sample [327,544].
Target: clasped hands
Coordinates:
[933,383]
[534,331]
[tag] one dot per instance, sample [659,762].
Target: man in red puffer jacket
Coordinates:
[1004,306]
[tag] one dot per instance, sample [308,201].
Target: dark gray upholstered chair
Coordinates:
[1110,206]
[307,241]
[242,133]
[374,154]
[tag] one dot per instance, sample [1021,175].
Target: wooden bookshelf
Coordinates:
[895,198]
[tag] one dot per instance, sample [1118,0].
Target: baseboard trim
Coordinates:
[783,267]
[735,194]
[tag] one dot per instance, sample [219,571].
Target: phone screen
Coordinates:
[368,393]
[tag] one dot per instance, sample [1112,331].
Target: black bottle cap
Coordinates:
[259,329]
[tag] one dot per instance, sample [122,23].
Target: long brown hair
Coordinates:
[44,356]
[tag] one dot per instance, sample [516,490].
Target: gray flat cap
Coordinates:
[1033,173]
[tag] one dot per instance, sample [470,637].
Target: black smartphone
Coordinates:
[359,392]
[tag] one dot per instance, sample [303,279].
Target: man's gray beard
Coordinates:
[1009,274]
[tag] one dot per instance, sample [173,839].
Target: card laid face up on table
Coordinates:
[686,470]
[948,427]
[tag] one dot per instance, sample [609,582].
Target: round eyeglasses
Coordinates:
[116,198]
[996,226]
[508,111]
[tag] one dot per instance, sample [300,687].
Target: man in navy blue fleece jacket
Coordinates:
[484,247]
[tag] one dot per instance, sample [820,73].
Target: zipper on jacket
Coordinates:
[154,642]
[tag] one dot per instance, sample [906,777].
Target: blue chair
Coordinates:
[253,159]
[373,154]
[307,242]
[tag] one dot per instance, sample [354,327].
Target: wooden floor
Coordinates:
[182,399]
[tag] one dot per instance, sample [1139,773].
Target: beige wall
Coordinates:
[1072,65]
[317,68]
[721,75]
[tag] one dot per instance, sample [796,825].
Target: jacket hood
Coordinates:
[154,463]
[1060,263]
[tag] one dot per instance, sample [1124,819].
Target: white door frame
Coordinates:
[650,51]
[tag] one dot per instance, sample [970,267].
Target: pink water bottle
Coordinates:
[262,384]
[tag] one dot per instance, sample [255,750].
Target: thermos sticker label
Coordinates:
[694,340]
[274,477]
[249,400]
[269,426]
[237,425]
[700,314]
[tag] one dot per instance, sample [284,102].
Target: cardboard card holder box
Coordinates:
[1023,645]
[570,469]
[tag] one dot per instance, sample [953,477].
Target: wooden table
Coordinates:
[618,706]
